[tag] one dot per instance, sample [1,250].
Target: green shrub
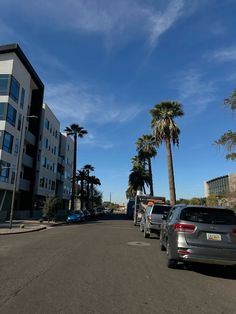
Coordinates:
[50,208]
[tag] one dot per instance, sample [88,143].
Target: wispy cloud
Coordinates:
[116,21]
[195,91]
[70,102]
[160,22]
[224,55]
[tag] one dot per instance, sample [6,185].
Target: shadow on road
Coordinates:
[225,272]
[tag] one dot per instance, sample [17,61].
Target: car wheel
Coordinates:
[162,247]
[171,263]
[146,235]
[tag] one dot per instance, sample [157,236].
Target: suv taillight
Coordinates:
[184,227]
[234,231]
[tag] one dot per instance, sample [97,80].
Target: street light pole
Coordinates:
[17,169]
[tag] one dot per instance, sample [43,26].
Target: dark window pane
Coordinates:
[14,89]
[7,142]
[2,111]
[4,171]
[208,215]
[4,84]
[157,209]
[11,115]
[22,98]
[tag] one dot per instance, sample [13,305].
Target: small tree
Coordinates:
[50,207]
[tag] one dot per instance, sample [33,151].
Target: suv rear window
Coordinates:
[160,209]
[208,215]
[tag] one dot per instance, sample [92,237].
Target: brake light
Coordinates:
[184,227]
[234,231]
[184,252]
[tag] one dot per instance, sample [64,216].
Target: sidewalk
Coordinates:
[24,226]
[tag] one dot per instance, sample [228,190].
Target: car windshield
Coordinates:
[77,212]
[208,215]
[160,210]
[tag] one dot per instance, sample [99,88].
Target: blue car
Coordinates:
[75,216]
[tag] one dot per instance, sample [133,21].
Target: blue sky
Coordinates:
[106,63]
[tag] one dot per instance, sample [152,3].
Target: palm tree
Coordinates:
[228,139]
[93,181]
[146,149]
[76,131]
[81,177]
[231,101]
[87,169]
[166,130]
[138,178]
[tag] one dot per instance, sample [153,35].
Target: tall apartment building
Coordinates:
[31,147]
[224,185]
[21,95]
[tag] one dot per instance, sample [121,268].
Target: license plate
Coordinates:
[213,236]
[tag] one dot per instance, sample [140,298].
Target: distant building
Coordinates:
[48,148]
[65,169]
[221,186]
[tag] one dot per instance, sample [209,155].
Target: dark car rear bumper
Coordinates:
[209,256]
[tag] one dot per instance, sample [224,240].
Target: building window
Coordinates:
[4,84]
[19,121]
[4,171]
[14,89]
[41,182]
[11,115]
[13,176]
[7,142]
[53,185]
[22,98]
[16,150]
[47,124]
[46,142]
[3,110]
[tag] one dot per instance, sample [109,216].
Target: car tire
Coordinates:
[145,234]
[171,263]
[162,247]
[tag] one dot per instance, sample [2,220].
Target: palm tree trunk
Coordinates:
[92,195]
[82,195]
[87,188]
[74,174]
[170,173]
[150,175]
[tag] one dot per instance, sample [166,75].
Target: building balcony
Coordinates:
[30,138]
[27,161]
[24,185]
[60,177]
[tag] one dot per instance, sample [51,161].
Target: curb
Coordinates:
[25,231]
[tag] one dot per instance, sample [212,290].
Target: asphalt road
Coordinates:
[92,268]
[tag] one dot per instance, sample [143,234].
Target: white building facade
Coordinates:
[21,96]
[31,146]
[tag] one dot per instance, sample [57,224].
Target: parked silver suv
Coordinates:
[152,218]
[199,234]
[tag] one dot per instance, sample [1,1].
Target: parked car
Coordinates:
[75,216]
[199,234]
[152,218]
[99,211]
[87,214]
